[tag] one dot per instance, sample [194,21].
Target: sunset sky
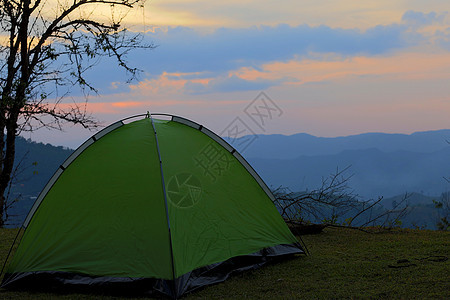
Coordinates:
[332,68]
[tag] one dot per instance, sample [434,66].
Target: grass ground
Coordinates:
[344,264]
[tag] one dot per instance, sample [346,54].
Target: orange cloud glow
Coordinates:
[234,13]
[407,66]
[167,83]
[126,104]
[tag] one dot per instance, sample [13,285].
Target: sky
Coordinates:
[323,67]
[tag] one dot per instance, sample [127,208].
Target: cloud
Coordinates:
[443,38]
[232,13]
[126,104]
[419,19]
[401,66]
[187,54]
[186,50]
[231,83]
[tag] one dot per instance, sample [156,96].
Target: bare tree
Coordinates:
[46,45]
[443,211]
[334,200]
[443,207]
[448,178]
[334,193]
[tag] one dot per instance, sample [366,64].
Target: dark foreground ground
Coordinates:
[344,264]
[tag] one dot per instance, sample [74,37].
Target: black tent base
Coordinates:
[65,282]
[69,283]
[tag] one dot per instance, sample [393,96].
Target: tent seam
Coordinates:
[166,206]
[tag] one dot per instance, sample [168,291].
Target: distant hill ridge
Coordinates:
[38,163]
[375,173]
[279,146]
[383,164]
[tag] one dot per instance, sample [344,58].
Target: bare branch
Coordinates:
[334,200]
[364,210]
[75,114]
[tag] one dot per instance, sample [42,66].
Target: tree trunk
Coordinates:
[8,163]
[11,110]
[2,159]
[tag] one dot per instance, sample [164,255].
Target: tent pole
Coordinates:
[166,206]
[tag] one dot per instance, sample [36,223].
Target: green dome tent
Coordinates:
[154,205]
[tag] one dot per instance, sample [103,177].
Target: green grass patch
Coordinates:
[344,264]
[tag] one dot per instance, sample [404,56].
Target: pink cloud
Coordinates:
[406,66]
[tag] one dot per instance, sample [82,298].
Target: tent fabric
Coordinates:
[128,286]
[159,205]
